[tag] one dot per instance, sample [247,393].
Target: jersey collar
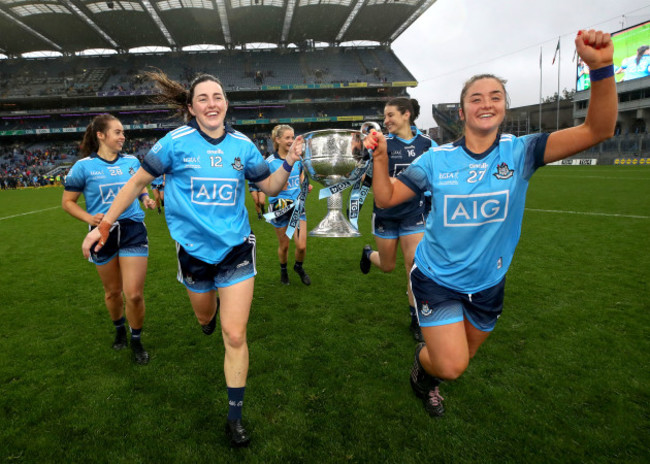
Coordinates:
[213,141]
[95,155]
[477,156]
[415,131]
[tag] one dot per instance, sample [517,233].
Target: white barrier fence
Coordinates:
[574,162]
[594,161]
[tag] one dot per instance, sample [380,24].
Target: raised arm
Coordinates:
[273,184]
[388,192]
[597,51]
[134,187]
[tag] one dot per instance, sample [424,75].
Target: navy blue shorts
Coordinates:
[438,305]
[127,238]
[159,187]
[252,187]
[201,277]
[395,228]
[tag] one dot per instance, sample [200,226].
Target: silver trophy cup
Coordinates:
[331,157]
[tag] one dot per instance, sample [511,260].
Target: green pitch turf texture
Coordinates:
[565,376]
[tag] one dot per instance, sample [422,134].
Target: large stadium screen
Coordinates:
[631,56]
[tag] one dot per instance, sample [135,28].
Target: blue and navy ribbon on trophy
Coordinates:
[358,195]
[337,188]
[297,206]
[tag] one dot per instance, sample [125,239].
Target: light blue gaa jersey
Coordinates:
[100,180]
[478,207]
[205,188]
[292,189]
[634,70]
[401,153]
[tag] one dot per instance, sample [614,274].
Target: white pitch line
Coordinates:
[587,213]
[29,212]
[592,177]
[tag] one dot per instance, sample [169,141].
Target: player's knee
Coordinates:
[234,338]
[387,267]
[451,370]
[112,295]
[134,298]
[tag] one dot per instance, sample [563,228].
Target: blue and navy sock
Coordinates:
[119,324]
[235,402]
[297,265]
[135,334]
[283,267]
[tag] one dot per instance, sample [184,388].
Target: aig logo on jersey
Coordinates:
[475,210]
[108,192]
[293,183]
[209,191]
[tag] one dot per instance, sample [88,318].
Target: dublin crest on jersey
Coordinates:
[503,171]
[131,171]
[237,164]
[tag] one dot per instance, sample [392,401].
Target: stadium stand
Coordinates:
[54,98]
[311,73]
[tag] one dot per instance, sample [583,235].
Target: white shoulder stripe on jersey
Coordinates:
[506,137]
[240,136]
[445,147]
[180,129]
[187,130]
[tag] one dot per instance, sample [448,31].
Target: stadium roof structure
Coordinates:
[71,26]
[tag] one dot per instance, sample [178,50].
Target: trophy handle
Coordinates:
[366,126]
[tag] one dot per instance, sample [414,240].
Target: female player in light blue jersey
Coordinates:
[122,263]
[258,198]
[283,137]
[479,189]
[636,66]
[158,188]
[206,164]
[401,225]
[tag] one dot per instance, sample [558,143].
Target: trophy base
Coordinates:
[334,225]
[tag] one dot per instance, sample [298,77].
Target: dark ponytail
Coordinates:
[174,94]
[90,143]
[404,104]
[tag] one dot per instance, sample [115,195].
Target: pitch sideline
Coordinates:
[631,216]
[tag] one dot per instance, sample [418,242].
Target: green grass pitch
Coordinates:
[565,377]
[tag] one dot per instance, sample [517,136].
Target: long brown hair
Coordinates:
[403,105]
[173,93]
[100,123]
